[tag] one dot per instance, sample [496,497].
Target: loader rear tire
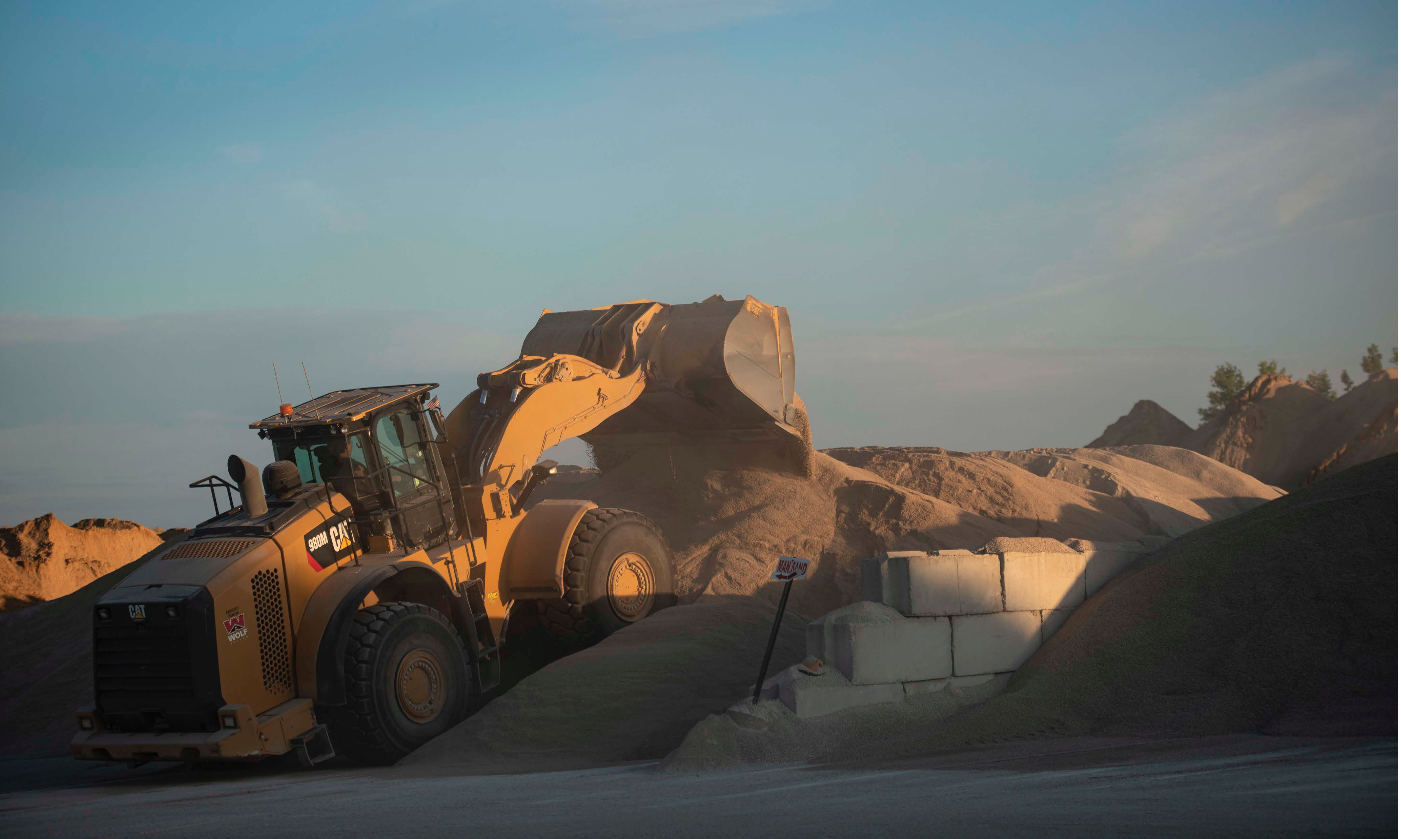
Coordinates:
[406,678]
[617,571]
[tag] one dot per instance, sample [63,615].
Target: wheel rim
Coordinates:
[631,586]
[419,686]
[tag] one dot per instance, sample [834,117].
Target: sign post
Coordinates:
[789,568]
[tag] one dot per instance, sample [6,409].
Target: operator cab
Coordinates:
[377,446]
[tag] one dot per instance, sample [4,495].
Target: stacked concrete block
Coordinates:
[946,619]
[872,644]
[995,643]
[809,695]
[937,584]
[1034,582]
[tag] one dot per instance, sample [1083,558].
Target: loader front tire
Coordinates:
[406,678]
[617,571]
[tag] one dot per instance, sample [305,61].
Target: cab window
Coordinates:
[404,452]
[327,458]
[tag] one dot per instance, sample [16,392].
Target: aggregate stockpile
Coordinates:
[43,558]
[1278,430]
[1279,621]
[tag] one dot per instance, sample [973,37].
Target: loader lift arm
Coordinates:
[715,369]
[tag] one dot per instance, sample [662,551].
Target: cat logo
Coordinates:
[137,611]
[331,543]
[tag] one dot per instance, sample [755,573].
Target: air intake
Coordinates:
[272,631]
[209,548]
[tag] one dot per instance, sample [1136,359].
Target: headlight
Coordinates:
[85,723]
[229,720]
[104,614]
[172,612]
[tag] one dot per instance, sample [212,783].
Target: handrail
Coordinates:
[212,482]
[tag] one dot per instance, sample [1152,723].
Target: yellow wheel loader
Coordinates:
[356,596]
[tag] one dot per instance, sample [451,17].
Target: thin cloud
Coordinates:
[1299,151]
[1248,162]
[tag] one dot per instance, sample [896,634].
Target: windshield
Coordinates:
[403,451]
[326,458]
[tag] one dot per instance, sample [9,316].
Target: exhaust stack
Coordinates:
[250,486]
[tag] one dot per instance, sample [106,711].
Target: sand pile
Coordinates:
[1279,621]
[1146,423]
[43,558]
[1282,431]
[1093,494]
[46,669]
[632,697]
[1026,544]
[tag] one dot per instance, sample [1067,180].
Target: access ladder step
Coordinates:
[486,661]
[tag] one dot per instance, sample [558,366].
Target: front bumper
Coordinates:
[251,737]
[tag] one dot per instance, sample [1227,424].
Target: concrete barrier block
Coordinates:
[955,584]
[939,584]
[1051,619]
[1037,581]
[885,578]
[870,643]
[822,633]
[994,643]
[1101,566]
[815,696]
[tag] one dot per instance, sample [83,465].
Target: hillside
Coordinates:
[1278,430]
[1146,423]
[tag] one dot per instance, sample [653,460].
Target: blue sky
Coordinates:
[995,225]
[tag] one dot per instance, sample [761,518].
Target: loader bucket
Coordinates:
[716,370]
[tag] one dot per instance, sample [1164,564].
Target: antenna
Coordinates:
[308,381]
[278,382]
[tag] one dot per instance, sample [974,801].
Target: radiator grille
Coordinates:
[272,633]
[209,548]
[150,662]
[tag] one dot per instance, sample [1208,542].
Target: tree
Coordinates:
[1321,382]
[1393,355]
[1372,361]
[1346,380]
[1270,368]
[1226,384]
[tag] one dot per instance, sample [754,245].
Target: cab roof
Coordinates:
[344,405]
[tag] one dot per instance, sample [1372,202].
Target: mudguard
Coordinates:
[533,565]
[321,640]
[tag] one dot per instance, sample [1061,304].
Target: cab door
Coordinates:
[422,510]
